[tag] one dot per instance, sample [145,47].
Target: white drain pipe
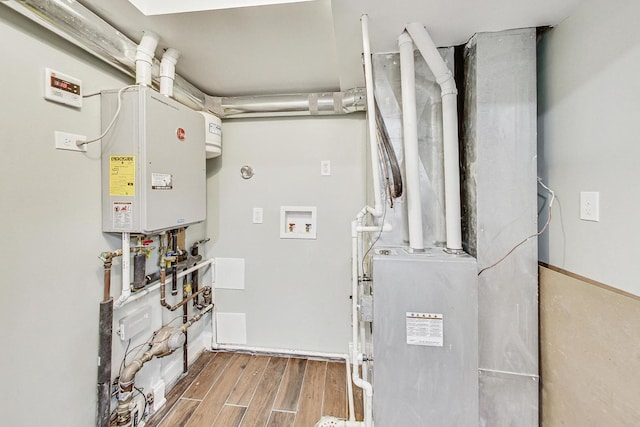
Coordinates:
[144,58]
[168,71]
[377,209]
[410,139]
[126,270]
[445,79]
[356,356]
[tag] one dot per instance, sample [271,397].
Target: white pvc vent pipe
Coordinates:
[445,79]
[371,120]
[145,52]
[126,270]
[168,71]
[77,24]
[410,139]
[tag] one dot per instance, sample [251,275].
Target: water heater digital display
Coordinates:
[62,88]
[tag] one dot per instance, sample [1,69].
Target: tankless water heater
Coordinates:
[153,163]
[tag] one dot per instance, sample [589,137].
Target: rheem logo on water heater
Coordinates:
[180,133]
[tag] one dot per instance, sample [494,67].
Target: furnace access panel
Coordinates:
[153,163]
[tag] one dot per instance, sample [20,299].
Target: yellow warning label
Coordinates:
[122,176]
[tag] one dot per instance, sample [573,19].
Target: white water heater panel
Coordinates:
[153,163]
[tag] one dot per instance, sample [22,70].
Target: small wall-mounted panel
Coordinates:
[229,273]
[135,323]
[231,328]
[298,222]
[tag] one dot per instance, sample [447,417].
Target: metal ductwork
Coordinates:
[77,24]
[313,104]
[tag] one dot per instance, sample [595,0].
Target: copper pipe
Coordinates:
[164,303]
[107,281]
[107,260]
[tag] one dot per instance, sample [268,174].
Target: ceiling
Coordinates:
[313,46]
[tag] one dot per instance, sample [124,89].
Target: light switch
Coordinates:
[257,215]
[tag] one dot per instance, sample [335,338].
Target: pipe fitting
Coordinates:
[145,53]
[404,38]
[168,71]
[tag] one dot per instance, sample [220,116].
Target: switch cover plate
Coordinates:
[257,215]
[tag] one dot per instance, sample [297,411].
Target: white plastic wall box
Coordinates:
[161,147]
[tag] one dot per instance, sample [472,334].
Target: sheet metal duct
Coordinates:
[312,104]
[500,208]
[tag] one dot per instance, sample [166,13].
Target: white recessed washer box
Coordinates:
[298,222]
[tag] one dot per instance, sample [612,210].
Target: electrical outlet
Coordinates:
[590,206]
[68,141]
[325,167]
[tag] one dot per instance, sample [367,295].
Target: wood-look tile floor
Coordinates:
[244,390]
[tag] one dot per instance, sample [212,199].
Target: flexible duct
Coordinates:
[410,138]
[445,79]
[346,102]
[168,71]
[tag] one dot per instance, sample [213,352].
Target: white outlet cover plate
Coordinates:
[325,167]
[67,141]
[590,206]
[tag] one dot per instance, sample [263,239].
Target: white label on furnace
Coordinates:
[122,215]
[161,181]
[425,329]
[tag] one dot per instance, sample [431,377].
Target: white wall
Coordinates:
[589,107]
[297,291]
[50,210]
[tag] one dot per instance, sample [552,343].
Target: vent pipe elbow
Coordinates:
[168,71]
[145,53]
[445,79]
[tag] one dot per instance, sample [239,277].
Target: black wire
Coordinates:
[384,215]
[391,160]
[144,411]
[123,364]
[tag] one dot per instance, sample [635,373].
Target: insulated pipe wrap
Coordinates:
[104,366]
